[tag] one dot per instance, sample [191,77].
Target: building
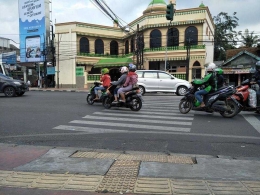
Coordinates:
[82,49]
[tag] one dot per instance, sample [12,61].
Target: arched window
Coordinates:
[113,48]
[132,45]
[155,39]
[84,45]
[127,47]
[99,46]
[196,70]
[191,35]
[173,37]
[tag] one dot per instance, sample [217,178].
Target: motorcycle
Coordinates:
[242,96]
[91,95]
[217,101]
[133,99]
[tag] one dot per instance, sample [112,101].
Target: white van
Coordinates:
[161,81]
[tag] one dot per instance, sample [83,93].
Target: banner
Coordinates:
[34,29]
[8,58]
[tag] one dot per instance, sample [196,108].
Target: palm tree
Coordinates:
[249,39]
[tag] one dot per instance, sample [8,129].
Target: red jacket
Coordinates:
[106,80]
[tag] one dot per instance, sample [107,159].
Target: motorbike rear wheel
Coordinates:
[233,110]
[90,99]
[107,102]
[135,104]
[185,106]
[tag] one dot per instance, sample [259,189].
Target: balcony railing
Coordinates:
[174,48]
[104,55]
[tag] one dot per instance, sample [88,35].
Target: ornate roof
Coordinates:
[156,6]
[202,5]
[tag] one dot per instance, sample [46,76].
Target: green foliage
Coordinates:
[249,39]
[225,35]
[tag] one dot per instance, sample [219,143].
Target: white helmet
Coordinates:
[123,69]
[210,67]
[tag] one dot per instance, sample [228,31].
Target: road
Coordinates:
[65,119]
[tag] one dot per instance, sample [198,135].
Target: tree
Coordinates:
[225,34]
[249,39]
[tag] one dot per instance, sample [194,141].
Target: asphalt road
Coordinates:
[65,119]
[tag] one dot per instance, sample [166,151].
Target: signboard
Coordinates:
[79,71]
[8,58]
[34,23]
[50,70]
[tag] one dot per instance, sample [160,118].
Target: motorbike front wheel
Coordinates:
[233,110]
[135,104]
[185,106]
[90,99]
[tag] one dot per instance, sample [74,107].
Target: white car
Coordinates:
[161,81]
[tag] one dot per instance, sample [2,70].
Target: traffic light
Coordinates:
[169,12]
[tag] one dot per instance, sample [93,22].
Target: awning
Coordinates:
[110,62]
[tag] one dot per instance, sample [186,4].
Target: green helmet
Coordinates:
[219,71]
[104,71]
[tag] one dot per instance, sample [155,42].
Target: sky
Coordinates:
[128,10]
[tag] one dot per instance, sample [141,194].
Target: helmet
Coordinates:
[257,65]
[210,67]
[132,67]
[104,71]
[123,69]
[219,71]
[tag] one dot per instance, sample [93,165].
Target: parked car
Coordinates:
[161,81]
[12,87]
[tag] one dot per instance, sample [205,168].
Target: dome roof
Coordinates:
[155,6]
[202,5]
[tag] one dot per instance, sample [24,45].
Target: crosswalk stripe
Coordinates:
[88,129]
[137,126]
[139,120]
[143,116]
[167,112]
[162,103]
[253,121]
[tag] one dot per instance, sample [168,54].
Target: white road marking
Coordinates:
[153,115]
[137,126]
[253,121]
[138,120]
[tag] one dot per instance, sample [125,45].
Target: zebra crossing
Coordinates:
[154,117]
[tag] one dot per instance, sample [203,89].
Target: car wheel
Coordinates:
[142,90]
[182,90]
[9,92]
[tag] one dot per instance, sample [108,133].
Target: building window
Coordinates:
[191,35]
[173,37]
[99,46]
[155,39]
[127,47]
[196,70]
[84,45]
[113,48]
[132,45]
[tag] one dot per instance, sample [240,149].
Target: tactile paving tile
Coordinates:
[139,157]
[121,177]
[228,187]
[50,181]
[152,186]
[253,186]
[191,187]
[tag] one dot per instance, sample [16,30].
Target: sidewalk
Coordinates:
[59,89]
[44,170]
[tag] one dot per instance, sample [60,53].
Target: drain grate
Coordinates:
[121,177]
[139,157]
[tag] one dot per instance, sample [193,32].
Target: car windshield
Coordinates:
[2,75]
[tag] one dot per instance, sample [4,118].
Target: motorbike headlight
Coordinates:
[17,83]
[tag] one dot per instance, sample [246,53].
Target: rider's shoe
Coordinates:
[122,101]
[202,104]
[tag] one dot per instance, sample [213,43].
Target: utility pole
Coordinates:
[188,46]
[53,50]
[139,49]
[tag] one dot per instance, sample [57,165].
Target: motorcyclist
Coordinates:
[209,81]
[120,82]
[131,80]
[257,73]
[105,80]
[219,77]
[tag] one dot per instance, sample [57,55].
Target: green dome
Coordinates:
[157,2]
[202,5]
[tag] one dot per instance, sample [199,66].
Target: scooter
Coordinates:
[219,101]
[91,95]
[242,96]
[133,99]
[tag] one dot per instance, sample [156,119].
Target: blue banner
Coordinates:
[9,57]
